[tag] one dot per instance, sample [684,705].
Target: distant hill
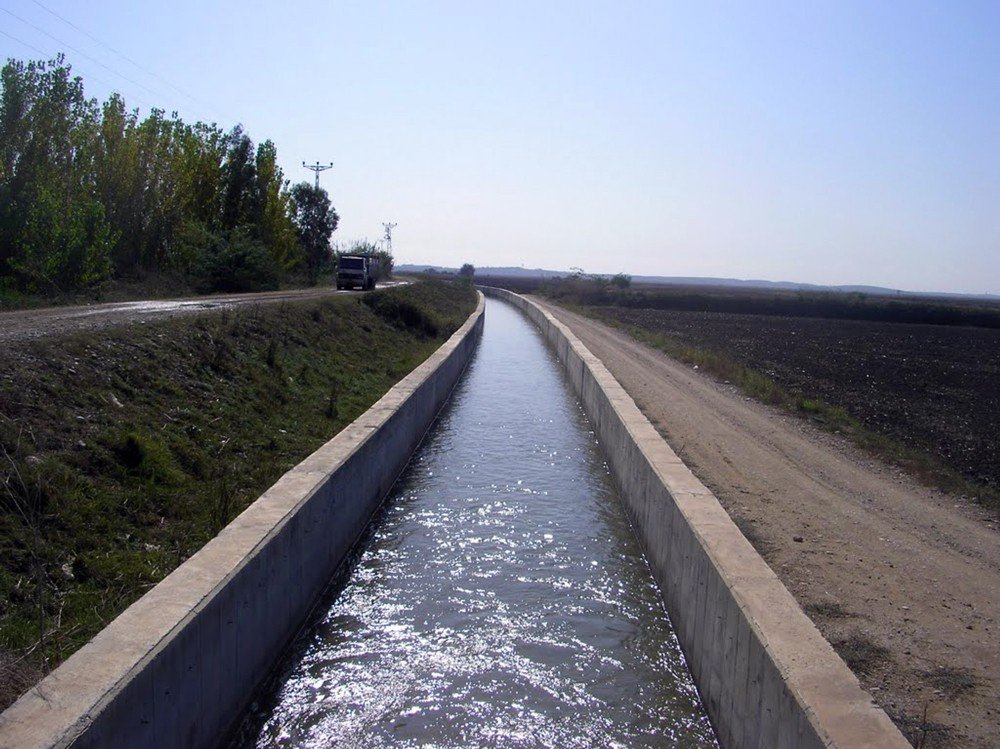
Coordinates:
[519,272]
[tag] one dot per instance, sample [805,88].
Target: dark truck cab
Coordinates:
[357,271]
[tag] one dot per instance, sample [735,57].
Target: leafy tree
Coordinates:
[274,210]
[239,181]
[467,271]
[89,191]
[202,155]
[315,222]
[53,233]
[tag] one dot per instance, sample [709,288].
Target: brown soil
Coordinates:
[931,387]
[903,580]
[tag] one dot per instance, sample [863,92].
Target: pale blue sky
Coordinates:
[824,142]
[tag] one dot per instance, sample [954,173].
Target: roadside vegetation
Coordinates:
[96,203]
[122,451]
[922,396]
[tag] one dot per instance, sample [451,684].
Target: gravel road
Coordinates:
[34,323]
[867,551]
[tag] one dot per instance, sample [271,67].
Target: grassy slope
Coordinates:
[125,450]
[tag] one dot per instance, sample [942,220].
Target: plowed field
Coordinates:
[935,388]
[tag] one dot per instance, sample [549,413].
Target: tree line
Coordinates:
[90,192]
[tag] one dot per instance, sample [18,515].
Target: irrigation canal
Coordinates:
[500,599]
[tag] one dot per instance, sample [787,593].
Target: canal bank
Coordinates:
[500,598]
[767,676]
[179,666]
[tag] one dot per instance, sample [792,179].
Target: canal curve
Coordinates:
[500,597]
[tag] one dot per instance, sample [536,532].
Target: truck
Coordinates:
[358,271]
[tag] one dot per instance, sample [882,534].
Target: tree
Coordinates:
[54,233]
[239,181]
[90,192]
[315,222]
[273,207]
[467,271]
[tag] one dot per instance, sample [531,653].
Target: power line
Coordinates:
[92,59]
[90,76]
[23,43]
[122,55]
[82,54]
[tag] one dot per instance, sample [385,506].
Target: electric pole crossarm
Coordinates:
[317,167]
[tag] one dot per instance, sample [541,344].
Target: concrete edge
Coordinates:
[767,676]
[178,666]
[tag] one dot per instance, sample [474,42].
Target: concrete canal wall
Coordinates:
[179,666]
[767,676]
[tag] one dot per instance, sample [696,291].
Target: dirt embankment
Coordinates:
[901,579]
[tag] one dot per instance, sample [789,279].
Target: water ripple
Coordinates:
[501,600]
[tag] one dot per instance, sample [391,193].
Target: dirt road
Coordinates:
[903,580]
[32,323]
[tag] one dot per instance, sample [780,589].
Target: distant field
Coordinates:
[932,387]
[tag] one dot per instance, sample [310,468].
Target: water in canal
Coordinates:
[501,599]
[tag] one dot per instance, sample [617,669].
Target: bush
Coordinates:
[239,263]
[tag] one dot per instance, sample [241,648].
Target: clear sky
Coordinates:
[825,142]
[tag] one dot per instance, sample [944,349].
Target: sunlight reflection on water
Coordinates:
[501,600]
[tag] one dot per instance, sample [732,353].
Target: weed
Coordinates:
[331,406]
[17,674]
[149,458]
[272,352]
[224,500]
[860,653]
[951,681]
[401,312]
[828,610]
[922,732]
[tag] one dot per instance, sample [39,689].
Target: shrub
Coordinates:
[239,263]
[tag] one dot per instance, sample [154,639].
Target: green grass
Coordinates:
[123,451]
[832,418]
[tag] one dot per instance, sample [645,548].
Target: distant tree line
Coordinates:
[90,192]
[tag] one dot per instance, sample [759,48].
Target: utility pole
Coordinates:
[388,234]
[317,167]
